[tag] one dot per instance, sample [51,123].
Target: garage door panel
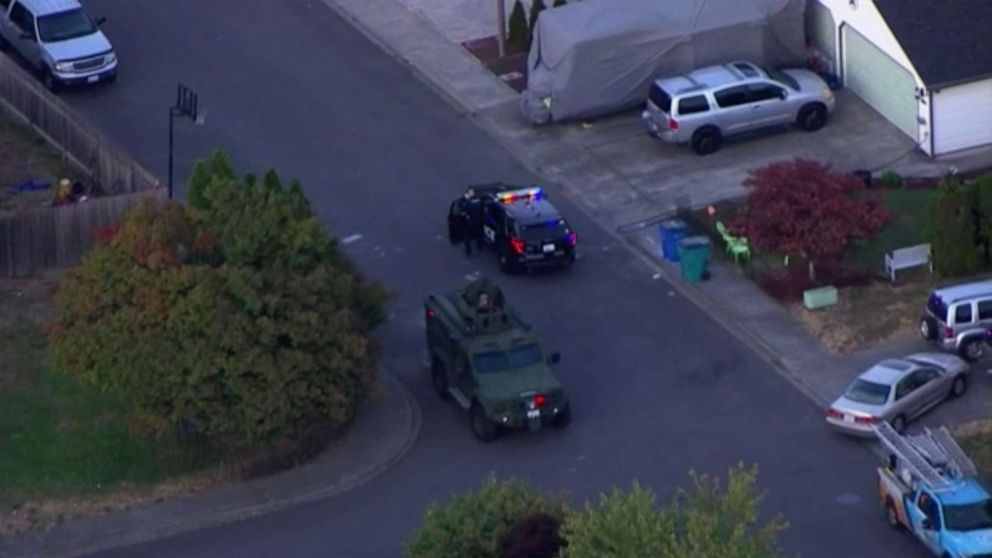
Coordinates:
[962,117]
[878,79]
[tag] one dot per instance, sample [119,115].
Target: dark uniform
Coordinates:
[471,213]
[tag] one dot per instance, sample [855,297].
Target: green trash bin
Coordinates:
[694,253]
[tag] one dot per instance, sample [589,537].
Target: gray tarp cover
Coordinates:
[595,57]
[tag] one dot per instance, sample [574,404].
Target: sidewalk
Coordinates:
[384,430]
[614,196]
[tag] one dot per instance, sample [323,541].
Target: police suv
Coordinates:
[520,225]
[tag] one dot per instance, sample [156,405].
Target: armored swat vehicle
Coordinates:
[486,358]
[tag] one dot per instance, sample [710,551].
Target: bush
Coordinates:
[806,209]
[238,319]
[519,35]
[953,231]
[891,179]
[983,213]
[536,7]
[535,536]
[478,523]
[706,522]
[788,284]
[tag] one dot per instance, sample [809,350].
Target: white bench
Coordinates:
[905,258]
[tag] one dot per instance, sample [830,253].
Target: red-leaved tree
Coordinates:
[805,208]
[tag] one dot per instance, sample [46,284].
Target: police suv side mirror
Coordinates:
[555,358]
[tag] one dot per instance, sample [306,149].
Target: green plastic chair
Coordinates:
[736,246]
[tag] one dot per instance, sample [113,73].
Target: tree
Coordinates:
[953,231]
[534,536]
[238,317]
[518,37]
[706,522]
[983,213]
[804,208]
[536,7]
[477,523]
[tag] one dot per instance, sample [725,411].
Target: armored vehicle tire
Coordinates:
[812,117]
[959,386]
[706,140]
[439,380]
[928,328]
[563,418]
[483,428]
[972,350]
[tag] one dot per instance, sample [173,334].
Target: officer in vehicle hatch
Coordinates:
[471,214]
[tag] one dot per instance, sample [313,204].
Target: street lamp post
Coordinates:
[186,105]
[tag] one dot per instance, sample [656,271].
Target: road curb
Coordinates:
[71,539]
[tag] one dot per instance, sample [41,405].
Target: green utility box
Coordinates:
[820,298]
[694,254]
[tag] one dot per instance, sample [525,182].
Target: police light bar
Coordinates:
[532,193]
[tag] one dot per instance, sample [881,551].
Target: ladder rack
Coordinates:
[932,457]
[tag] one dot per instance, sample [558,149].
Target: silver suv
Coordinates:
[59,40]
[959,318]
[704,106]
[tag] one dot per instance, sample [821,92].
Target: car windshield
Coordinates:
[783,78]
[969,517]
[65,25]
[501,361]
[871,393]
[534,232]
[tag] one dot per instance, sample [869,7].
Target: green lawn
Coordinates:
[60,439]
[910,217]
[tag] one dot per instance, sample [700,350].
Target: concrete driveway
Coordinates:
[625,175]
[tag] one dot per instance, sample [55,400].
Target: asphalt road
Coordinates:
[657,388]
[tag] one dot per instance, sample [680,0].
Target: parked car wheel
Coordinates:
[972,350]
[439,379]
[49,80]
[483,428]
[959,386]
[812,117]
[706,140]
[928,328]
[898,424]
[891,515]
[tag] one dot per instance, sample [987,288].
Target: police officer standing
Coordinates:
[471,214]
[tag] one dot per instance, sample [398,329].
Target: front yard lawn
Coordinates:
[65,448]
[908,227]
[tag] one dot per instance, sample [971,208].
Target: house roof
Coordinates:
[946,40]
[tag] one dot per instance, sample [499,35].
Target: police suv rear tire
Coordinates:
[483,428]
[506,264]
[928,328]
[439,379]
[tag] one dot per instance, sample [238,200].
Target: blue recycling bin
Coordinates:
[671,232]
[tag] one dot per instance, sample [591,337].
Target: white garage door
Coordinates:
[962,117]
[880,81]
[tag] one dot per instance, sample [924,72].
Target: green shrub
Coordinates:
[477,523]
[953,230]
[891,179]
[237,318]
[536,7]
[519,35]
[706,522]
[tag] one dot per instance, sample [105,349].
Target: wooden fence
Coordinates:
[55,237]
[109,169]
